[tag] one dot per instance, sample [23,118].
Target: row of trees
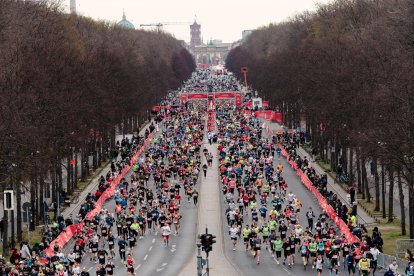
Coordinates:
[65,82]
[347,71]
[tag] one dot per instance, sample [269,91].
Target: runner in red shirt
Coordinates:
[130,265]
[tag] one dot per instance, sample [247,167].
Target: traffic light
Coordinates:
[203,241]
[8,200]
[209,240]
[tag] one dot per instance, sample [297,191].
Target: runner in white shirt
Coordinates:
[375,252]
[234,234]
[166,232]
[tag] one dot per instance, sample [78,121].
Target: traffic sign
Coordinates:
[8,200]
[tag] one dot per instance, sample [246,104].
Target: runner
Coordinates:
[319,265]
[246,236]
[130,265]
[278,246]
[234,234]
[166,232]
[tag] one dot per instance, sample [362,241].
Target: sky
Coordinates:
[220,19]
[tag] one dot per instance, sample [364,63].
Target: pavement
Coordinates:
[209,215]
[363,217]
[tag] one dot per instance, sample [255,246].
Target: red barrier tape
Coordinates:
[322,201]
[69,232]
[269,115]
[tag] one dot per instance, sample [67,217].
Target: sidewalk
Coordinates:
[333,186]
[209,213]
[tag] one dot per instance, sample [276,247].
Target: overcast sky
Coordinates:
[219,19]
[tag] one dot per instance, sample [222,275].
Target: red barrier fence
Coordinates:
[322,200]
[69,231]
[269,115]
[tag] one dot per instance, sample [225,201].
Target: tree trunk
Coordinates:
[94,153]
[33,199]
[383,190]
[391,194]
[365,180]
[19,229]
[411,204]
[68,173]
[332,155]
[351,165]
[41,199]
[84,162]
[359,175]
[401,194]
[54,182]
[75,173]
[59,177]
[99,151]
[344,159]
[377,186]
[5,233]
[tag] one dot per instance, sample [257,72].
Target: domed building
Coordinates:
[124,23]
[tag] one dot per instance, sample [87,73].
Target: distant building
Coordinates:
[195,31]
[124,23]
[72,6]
[246,34]
[214,52]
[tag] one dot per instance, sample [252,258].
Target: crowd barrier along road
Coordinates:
[323,203]
[67,234]
[269,115]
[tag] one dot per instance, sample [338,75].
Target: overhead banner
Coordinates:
[224,95]
[196,96]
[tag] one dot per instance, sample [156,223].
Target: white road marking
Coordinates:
[164,264]
[90,269]
[138,266]
[284,267]
[146,257]
[153,240]
[159,269]
[149,249]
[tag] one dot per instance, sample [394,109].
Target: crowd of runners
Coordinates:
[146,202]
[263,214]
[207,80]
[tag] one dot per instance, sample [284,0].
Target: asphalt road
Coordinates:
[150,255]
